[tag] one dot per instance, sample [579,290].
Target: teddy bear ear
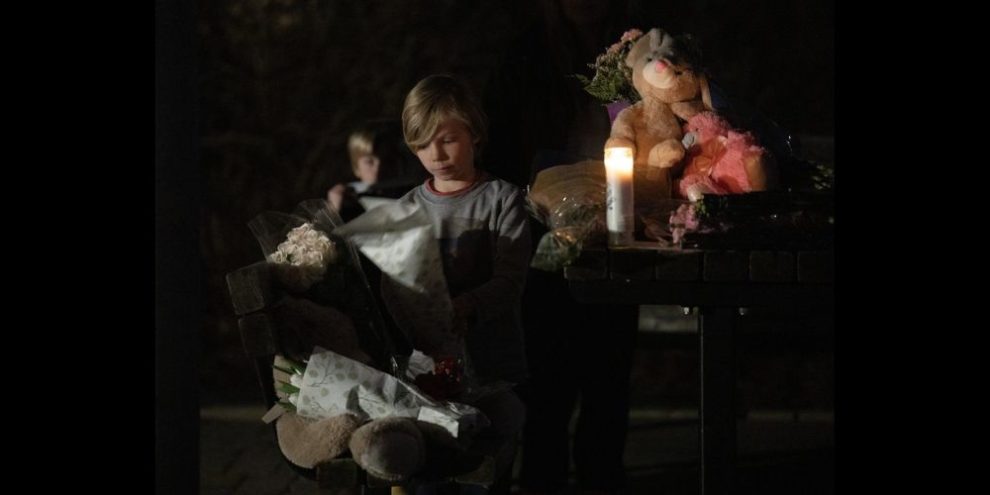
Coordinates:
[641,47]
[706,96]
[656,36]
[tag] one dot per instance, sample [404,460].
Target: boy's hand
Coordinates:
[464,315]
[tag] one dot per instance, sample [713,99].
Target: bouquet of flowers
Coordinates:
[398,238]
[329,384]
[570,201]
[298,244]
[309,251]
[612,81]
[319,268]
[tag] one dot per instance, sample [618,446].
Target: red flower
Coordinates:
[444,382]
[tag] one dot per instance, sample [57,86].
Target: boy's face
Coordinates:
[366,169]
[449,155]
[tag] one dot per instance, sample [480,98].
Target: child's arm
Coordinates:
[335,196]
[498,296]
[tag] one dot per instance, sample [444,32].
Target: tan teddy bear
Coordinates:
[663,73]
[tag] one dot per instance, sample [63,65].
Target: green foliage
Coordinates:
[612,81]
[610,86]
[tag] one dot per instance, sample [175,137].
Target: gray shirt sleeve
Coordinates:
[503,293]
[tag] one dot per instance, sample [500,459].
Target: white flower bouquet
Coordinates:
[299,244]
[309,251]
[308,261]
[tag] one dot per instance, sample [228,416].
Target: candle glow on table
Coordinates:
[619,195]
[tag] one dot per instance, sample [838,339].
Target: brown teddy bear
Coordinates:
[664,74]
[393,449]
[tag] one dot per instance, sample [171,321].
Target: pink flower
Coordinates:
[614,48]
[631,35]
[682,221]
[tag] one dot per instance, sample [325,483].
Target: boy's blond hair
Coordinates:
[434,99]
[360,143]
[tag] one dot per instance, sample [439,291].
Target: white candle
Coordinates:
[619,196]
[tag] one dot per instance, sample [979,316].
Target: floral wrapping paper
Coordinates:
[333,384]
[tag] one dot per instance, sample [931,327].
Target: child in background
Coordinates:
[365,165]
[381,163]
[480,223]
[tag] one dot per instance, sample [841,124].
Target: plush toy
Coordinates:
[721,160]
[392,448]
[663,73]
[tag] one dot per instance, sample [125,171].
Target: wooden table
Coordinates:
[722,285]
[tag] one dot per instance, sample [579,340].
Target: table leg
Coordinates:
[717,428]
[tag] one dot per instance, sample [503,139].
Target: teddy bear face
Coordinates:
[662,69]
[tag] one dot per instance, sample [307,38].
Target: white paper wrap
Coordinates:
[400,240]
[334,384]
[371,202]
